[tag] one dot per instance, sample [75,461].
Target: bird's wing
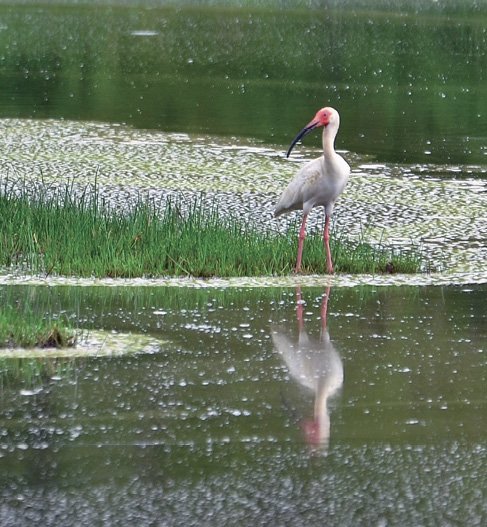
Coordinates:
[300,187]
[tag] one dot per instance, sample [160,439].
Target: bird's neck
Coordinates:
[329,134]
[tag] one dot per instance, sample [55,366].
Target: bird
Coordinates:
[318,183]
[316,365]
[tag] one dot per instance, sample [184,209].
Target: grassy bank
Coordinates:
[62,235]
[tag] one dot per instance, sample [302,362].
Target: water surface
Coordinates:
[215,427]
[408,79]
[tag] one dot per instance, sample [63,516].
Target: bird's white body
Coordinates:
[318,182]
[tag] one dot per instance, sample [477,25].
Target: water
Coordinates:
[213,426]
[237,402]
[410,86]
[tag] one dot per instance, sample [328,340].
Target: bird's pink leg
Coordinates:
[326,241]
[301,237]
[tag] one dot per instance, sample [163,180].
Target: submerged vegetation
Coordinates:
[62,232]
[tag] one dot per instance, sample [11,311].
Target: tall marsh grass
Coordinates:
[66,233]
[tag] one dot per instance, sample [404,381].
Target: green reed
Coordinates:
[57,233]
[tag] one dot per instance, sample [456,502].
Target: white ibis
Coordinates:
[318,182]
[315,364]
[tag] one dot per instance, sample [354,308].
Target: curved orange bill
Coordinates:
[305,131]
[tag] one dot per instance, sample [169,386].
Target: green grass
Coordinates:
[20,327]
[57,234]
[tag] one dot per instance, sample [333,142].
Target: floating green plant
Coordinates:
[74,234]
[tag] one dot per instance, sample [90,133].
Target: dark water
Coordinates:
[216,426]
[409,79]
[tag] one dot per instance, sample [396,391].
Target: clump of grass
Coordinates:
[364,258]
[22,328]
[79,236]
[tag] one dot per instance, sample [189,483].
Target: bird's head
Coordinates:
[324,117]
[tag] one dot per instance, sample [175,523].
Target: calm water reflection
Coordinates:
[411,85]
[316,365]
[206,430]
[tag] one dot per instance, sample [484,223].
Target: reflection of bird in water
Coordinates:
[315,364]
